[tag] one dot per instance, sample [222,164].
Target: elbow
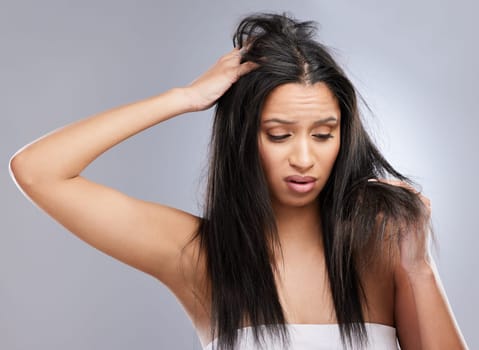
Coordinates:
[14,165]
[17,168]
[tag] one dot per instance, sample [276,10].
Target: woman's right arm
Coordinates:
[145,235]
[142,234]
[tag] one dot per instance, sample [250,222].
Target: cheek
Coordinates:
[272,161]
[267,160]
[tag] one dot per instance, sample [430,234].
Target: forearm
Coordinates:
[65,152]
[437,325]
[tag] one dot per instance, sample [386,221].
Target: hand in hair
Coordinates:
[414,237]
[205,90]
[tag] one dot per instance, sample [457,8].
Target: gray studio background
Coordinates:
[415,62]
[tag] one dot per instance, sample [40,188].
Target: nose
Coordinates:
[301,156]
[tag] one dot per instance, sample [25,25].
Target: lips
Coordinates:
[300,179]
[300,184]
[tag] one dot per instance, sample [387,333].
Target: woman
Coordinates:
[302,237]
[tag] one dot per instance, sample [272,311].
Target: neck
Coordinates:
[299,228]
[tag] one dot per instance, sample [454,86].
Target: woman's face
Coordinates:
[299,136]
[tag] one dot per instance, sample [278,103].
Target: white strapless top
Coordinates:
[319,337]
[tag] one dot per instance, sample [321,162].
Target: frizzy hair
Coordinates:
[237,232]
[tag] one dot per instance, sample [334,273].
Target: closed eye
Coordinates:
[277,137]
[282,137]
[324,136]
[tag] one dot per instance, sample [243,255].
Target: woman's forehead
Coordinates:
[296,101]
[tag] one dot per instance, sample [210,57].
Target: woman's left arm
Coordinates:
[421,292]
[421,306]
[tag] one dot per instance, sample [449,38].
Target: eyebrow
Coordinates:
[317,122]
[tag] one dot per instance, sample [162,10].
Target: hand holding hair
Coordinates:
[414,237]
[206,89]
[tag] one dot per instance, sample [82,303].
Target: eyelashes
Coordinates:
[282,137]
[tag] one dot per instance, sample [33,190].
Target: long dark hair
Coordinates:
[238,231]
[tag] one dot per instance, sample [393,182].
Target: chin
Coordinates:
[297,202]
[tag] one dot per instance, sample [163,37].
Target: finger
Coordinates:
[397,183]
[426,201]
[243,50]
[248,67]
[240,51]
[235,52]
[237,56]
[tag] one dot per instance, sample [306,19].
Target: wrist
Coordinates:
[423,270]
[188,101]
